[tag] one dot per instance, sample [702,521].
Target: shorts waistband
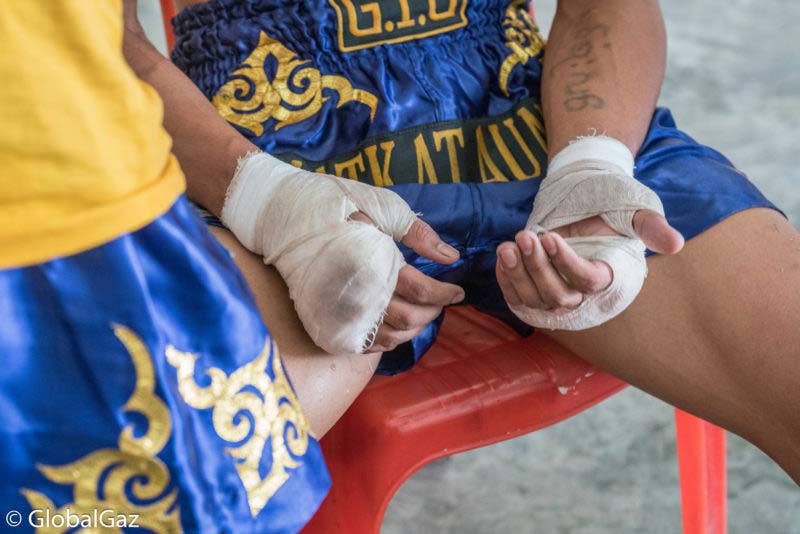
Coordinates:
[345,27]
[330,94]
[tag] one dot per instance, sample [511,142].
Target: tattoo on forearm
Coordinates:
[578,93]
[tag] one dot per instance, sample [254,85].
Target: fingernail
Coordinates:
[526,244]
[446,250]
[509,258]
[549,244]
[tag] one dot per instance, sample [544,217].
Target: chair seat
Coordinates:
[481,383]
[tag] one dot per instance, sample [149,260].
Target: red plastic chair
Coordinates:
[480,384]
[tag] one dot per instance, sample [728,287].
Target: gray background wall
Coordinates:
[733,81]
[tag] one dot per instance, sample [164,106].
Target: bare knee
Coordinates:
[714,332]
[328,385]
[325,384]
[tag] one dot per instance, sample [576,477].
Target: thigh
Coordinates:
[715,330]
[326,384]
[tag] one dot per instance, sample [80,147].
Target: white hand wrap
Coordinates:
[594,176]
[340,273]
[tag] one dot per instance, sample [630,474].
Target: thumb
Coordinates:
[656,233]
[424,240]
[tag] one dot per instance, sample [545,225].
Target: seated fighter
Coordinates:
[445,104]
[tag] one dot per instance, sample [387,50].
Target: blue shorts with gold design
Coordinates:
[139,385]
[437,99]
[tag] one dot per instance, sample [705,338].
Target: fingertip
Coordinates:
[549,244]
[677,243]
[508,256]
[524,242]
[449,254]
[505,246]
[656,233]
[459,296]
[681,243]
[668,241]
[425,241]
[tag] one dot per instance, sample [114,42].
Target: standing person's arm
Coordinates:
[207,147]
[209,150]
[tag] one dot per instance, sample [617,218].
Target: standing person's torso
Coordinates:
[83,154]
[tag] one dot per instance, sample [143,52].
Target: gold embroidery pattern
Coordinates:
[250,409]
[104,478]
[250,98]
[522,37]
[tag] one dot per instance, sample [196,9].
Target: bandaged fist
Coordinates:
[418,299]
[341,272]
[580,261]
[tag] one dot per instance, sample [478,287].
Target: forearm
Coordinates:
[207,147]
[603,69]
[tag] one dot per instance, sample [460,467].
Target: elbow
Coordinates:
[573,9]
[130,19]
[140,54]
[581,8]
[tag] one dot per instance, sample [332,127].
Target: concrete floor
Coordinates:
[733,81]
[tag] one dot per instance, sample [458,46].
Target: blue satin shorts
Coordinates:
[438,100]
[139,378]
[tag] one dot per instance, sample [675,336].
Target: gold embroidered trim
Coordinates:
[522,37]
[103,479]
[250,98]
[250,409]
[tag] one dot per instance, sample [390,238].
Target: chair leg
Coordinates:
[718,477]
[701,464]
[167,14]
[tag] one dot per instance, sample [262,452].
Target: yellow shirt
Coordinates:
[83,155]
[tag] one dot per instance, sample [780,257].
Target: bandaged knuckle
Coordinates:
[592,176]
[386,208]
[294,219]
[388,195]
